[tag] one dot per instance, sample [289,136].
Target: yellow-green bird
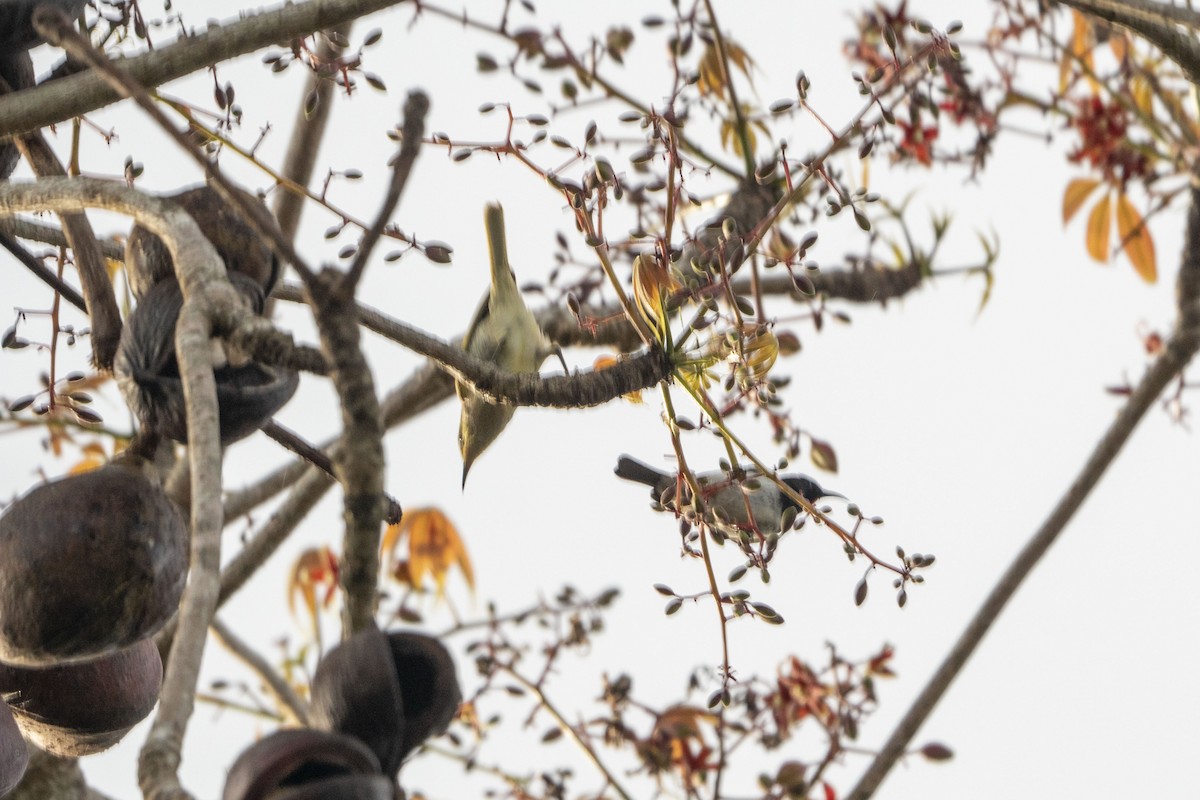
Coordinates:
[503,332]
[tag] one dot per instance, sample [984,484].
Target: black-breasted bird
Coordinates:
[728,497]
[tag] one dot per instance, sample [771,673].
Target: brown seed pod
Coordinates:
[148,261]
[302,764]
[148,374]
[88,564]
[14,755]
[392,691]
[81,708]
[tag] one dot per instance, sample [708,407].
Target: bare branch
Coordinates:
[358,463]
[416,107]
[307,132]
[57,28]
[98,294]
[43,273]
[78,94]
[35,231]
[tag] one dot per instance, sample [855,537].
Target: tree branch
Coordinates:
[35,231]
[78,94]
[103,314]
[277,686]
[307,132]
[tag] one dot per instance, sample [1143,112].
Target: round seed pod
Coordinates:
[302,764]
[88,564]
[392,691]
[80,708]
[243,252]
[248,395]
[14,755]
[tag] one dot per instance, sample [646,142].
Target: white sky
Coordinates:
[961,430]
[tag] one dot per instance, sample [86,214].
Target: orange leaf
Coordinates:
[1083,39]
[1119,45]
[1142,93]
[434,546]
[315,568]
[1099,222]
[1077,191]
[1136,240]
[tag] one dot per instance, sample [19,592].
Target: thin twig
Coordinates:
[416,107]
[42,272]
[308,130]
[103,314]
[570,731]
[57,29]
[294,442]
[283,692]
[74,95]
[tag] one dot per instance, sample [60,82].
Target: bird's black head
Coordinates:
[809,489]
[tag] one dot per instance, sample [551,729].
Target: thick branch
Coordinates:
[579,390]
[50,777]
[359,462]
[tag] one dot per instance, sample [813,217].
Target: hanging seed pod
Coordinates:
[243,251]
[88,564]
[307,765]
[392,691]
[248,395]
[77,709]
[14,755]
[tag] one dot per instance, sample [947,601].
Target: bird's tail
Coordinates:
[503,279]
[633,470]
